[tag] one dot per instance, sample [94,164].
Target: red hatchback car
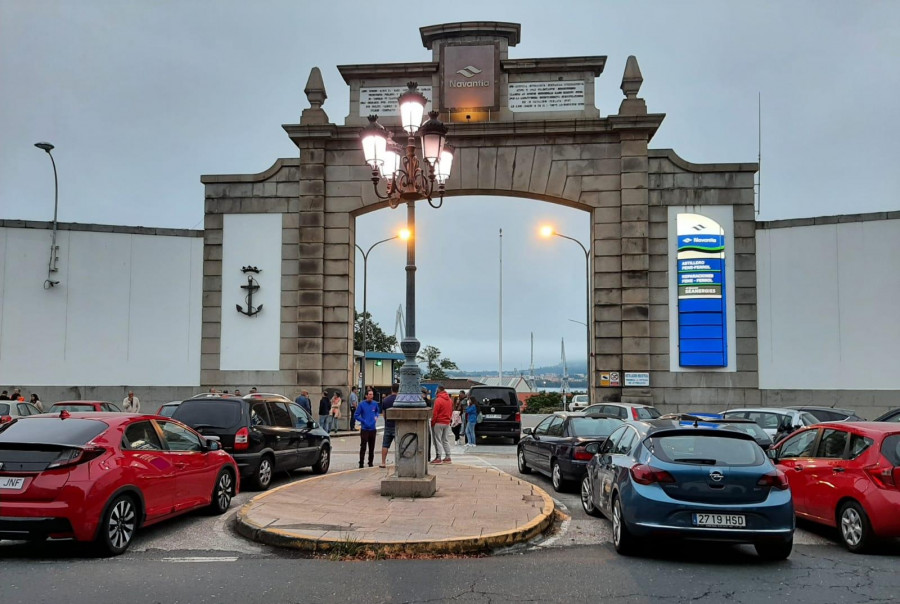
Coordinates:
[845,475]
[101,476]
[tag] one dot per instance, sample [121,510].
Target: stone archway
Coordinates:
[564,152]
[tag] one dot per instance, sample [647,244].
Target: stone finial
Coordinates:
[315,94]
[631,85]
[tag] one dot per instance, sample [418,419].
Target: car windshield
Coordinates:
[495,396]
[751,428]
[647,412]
[214,413]
[167,410]
[593,426]
[808,419]
[707,449]
[52,430]
[74,407]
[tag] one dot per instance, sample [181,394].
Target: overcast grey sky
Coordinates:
[141,98]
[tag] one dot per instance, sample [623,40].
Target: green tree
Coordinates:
[436,368]
[376,339]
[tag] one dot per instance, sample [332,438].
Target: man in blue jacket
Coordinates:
[367,414]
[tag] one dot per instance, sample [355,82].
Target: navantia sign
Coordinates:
[470,77]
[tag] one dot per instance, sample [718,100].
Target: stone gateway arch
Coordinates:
[673,312]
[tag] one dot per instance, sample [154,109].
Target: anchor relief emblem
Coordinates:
[250,288]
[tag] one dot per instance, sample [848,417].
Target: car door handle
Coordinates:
[181,465]
[837,470]
[798,468]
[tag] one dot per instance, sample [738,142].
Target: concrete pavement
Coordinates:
[475,509]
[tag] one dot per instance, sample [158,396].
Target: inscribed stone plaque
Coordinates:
[546,96]
[382,100]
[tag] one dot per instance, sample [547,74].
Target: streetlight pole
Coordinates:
[547,231]
[48,282]
[365,255]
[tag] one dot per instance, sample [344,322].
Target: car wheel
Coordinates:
[559,484]
[118,525]
[263,477]
[321,465]
[624,542]
[223,492]
[856,530]
[587,498]
[778,550]
[523,467]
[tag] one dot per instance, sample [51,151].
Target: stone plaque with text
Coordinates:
[382,100]
[546,96]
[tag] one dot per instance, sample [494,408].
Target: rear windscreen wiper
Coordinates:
[696,460]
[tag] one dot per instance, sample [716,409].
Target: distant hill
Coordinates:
[573,367]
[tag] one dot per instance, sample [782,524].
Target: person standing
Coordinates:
[325,412]
[4,396]
[354,402]
[237,393]
[440,426]
[335,410]
[36,401]
[390,427]
[131,403]
[367,414]
[471,420]
[456,420]
[303,401]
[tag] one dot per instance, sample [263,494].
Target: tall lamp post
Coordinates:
[408,180]
[404,234]
[48,282]
[549,231]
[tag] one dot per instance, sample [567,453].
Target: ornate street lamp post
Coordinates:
[549,231]
[409,179]
[49,282]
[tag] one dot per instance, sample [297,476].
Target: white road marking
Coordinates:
[202,559]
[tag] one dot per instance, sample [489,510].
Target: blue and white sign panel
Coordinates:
[702,337]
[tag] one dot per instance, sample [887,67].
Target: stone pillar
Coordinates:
[635,215]
[411,478]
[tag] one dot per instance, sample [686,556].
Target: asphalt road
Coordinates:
[199,558]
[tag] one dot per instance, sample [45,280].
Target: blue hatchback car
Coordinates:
[660,478]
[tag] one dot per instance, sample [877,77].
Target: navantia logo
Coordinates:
[469,71]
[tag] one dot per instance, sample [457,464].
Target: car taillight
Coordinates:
[777,480]
[5,418]
[634,413]
[518,417]
[73,457]
[644,474]
[582,454]
[242,439]
[884,477]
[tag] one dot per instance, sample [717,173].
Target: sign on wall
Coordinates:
[382,100]
[546,96]
[702,333]
[469,77]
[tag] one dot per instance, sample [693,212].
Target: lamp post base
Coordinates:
[411,478]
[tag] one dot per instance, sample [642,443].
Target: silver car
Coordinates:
[10,410]
[623,411]
[778,422]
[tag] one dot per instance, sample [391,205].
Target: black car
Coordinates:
[559,445]
[501,412]
[264,435]
[890,416]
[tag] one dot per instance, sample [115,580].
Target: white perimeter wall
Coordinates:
[829,306]
[126,311]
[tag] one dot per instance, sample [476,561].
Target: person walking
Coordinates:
[354,403]
[325,412]
[367,414]
[36,401]
[131,403]
[456,420]
[335,410]
[471,420]
[390,427]
[440,426]
[303,401]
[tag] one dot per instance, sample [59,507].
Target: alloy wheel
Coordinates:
[557,477]
[851,526]
[265,472]
[224,490]
[587,500]
[617,523]
[122,520]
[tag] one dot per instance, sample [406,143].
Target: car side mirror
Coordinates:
[592,448]
[527,431]
[310,424]
[211,443]
[772,453]
[795,428]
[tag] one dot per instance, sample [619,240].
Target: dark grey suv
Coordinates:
[501,410]
[264,434]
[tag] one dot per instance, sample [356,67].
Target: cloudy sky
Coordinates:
[141,98]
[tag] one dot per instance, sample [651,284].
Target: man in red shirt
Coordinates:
[440,425]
